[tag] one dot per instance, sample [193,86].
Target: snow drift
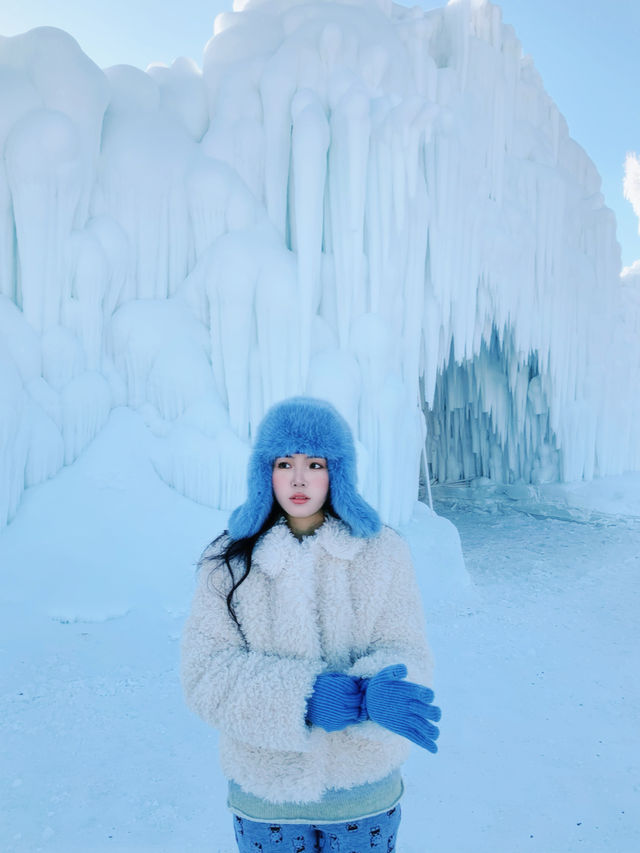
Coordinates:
[377,205]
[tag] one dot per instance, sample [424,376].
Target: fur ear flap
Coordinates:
[311,426]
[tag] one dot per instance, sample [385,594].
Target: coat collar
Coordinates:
[279,548]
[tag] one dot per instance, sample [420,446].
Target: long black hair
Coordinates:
[240,552]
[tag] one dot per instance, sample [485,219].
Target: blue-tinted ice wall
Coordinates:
[373,204]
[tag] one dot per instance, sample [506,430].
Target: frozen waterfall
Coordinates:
[374,204]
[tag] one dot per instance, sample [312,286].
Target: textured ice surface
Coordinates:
[375,204]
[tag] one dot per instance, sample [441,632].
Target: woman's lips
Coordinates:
[299,499]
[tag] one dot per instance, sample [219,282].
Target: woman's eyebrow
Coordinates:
[289,456]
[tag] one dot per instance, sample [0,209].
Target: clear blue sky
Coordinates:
[587,53]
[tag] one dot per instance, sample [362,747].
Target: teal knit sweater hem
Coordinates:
[336,806]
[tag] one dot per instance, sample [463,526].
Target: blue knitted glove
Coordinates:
[336,701]
[402,706]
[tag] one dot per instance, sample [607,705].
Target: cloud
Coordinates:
[631,274]
[631,183]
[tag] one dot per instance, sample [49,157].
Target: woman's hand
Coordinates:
[402,706]
[336,701]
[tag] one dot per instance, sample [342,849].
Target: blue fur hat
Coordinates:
[314,427]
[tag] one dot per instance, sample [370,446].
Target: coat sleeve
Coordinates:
[257,698]
[399,634]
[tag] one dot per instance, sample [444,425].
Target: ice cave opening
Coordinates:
[489,418]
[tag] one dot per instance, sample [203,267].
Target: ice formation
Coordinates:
[374,204]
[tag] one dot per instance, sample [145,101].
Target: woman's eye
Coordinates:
[282,465]
[317,465]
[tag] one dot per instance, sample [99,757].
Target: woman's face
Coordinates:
[301,485]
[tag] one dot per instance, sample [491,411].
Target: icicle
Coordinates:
[45,174]
[13,437]
[309,144]
[348,154]
[277,86]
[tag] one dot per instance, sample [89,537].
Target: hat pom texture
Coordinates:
[315,428]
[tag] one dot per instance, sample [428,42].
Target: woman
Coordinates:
[305,623]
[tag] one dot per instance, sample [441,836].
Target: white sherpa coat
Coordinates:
[332,602]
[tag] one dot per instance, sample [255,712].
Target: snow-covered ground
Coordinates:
[540,749]
[537,674]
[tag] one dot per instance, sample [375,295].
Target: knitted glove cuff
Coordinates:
[337,701]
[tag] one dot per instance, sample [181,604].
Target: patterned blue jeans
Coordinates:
[376,834]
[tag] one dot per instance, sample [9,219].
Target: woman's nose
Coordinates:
[298,477]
